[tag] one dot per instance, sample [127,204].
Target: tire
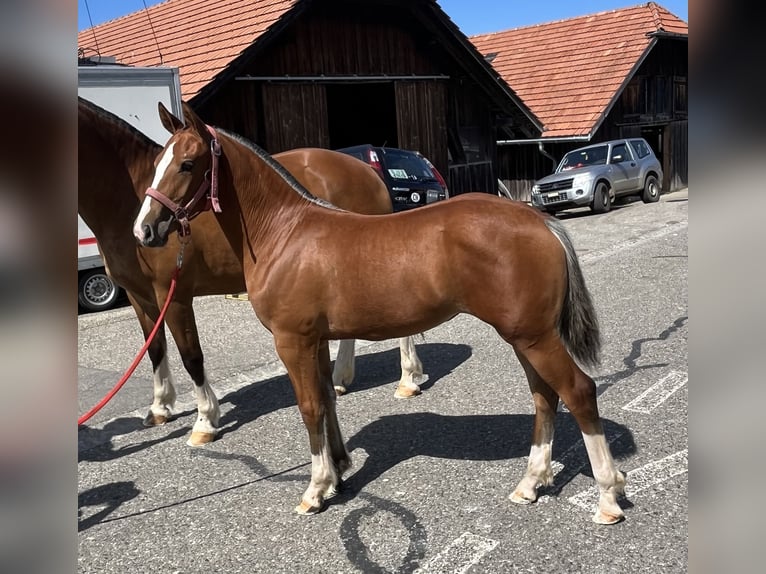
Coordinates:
[651,191]
[96,291]
[601,202]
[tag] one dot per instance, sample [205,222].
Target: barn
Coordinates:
[614,74]
[330,73]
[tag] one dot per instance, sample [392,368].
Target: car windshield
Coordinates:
[582,157]
[407,166]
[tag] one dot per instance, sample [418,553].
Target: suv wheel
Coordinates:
[96,291]
[651,190]
[601,202]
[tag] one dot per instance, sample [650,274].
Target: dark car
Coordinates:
[411,179]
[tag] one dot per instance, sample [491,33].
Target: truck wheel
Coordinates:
[96,291]
[601,202]
[651,190]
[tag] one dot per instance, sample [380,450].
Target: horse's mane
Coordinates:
[276,166]
[118,123]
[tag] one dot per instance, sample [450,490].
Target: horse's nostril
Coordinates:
[148,234]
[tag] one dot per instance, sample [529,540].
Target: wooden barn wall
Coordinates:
[295,116]
[421,115]
[472,141]
[334,39]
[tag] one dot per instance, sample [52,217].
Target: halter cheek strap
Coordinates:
[185,213]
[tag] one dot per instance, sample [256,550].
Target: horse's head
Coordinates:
[181,179]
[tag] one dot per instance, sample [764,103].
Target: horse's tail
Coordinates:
[578,323]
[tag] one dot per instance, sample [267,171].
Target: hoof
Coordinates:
[519,498]
[198,438]
[406,392]
[607,518]
[306,509]
[152,420]
[340,390]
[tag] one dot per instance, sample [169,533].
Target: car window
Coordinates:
[620,153]
[640,147]
[406,166]
[582,157]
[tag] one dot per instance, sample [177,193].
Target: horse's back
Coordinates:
[343,180]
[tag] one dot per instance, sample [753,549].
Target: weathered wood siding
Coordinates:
[363,43]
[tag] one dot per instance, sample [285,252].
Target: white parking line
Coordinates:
[639,479]
[460,555]
[658,393]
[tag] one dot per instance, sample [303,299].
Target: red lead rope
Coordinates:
[140,354]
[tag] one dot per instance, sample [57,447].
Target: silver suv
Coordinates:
[594,176]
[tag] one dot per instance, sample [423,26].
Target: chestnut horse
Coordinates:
[315,273]
[116,163]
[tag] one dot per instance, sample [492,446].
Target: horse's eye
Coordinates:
[187,165]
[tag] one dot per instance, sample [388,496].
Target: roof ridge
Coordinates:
[570,19]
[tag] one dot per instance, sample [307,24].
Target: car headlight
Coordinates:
[535,188]
[582,180]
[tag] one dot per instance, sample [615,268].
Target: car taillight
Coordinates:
[375,162]
[436,173]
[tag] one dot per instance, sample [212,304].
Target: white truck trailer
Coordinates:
[132,93]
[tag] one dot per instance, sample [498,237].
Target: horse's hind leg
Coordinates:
[553,364]
[343,373]
[181,322]
[539,472]
[412,369]
[162,380]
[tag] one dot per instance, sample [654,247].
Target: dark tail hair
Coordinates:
[578,323]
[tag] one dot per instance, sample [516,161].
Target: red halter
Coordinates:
[185,213]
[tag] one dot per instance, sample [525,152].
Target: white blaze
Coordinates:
[162,167]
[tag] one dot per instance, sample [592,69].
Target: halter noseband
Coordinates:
[185,213]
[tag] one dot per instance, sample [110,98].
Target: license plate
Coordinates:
[553,196]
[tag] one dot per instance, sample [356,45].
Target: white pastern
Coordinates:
[164,391]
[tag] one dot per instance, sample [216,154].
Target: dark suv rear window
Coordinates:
[406,166]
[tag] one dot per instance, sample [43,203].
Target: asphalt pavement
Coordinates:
[429,488]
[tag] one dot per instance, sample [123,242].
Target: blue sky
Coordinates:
[471,16]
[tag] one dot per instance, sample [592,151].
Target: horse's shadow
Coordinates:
[391,440]
[372,370]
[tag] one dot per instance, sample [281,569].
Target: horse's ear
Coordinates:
[192,119]
[169,121]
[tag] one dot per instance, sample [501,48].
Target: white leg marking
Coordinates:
[658,393]
[208,411]
[412,369]
[343,371]
[539,470]
[641,478]
[162,166]
[460,555]
[323,477]
[611,482]
[164,391]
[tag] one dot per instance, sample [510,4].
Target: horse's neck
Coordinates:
[269,205]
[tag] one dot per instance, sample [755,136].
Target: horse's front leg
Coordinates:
[164,392]
[316,402]
[183,326]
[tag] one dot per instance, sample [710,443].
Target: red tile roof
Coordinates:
[568,72]
[199,37]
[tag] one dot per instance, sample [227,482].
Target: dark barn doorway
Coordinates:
[362,114]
